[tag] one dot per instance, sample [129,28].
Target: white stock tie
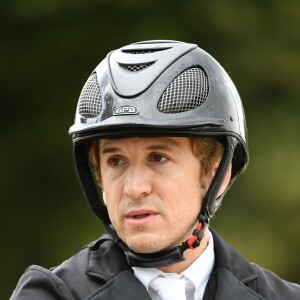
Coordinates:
[168,287]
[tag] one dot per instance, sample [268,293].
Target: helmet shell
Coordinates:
[160,88]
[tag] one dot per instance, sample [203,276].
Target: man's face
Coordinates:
[152,189]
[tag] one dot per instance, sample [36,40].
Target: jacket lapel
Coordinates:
[123,286]
[233,277]
[230,288]
[108,265]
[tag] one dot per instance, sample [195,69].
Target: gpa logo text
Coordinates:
[125,110]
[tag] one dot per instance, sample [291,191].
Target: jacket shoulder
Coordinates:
[72,272]
[263,282]
[272,286]
[40,283]
[66,281]
[77,277]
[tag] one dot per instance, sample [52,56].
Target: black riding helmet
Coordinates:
[160,88]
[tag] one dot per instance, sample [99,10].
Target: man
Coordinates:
[160,128]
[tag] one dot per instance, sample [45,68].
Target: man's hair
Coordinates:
[208,150]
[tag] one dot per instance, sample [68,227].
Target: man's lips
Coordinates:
[141,216]
[138,214]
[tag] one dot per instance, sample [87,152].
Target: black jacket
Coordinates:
[100,271]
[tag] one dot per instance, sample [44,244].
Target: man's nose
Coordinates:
[138,182]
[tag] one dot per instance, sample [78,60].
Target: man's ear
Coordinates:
[225,181]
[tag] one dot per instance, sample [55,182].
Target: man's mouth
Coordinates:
[141,215]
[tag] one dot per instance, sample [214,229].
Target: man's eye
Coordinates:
[157,157]
[115,161]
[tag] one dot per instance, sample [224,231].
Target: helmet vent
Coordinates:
[148,51]
[89,105]
[137,67]
[186,92]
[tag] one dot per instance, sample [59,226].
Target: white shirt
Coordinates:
[196,275]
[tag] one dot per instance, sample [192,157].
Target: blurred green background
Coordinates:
[49,48]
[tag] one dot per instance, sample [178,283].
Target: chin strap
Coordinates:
[162,258]
[198,233]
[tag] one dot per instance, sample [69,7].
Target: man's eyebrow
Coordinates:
[170,146]
[109,150]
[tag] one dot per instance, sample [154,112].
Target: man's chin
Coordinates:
[146,246]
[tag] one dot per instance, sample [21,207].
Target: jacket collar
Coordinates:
[107,262]
[233,277]
[228,258]
[232,273]
[100,264]
[105,259]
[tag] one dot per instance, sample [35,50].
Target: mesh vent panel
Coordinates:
[90,98]
[187,91]
[136,68]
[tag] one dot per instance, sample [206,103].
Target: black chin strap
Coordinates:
[211,201]
[162,258]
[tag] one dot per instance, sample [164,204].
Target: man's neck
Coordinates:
[190,256]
